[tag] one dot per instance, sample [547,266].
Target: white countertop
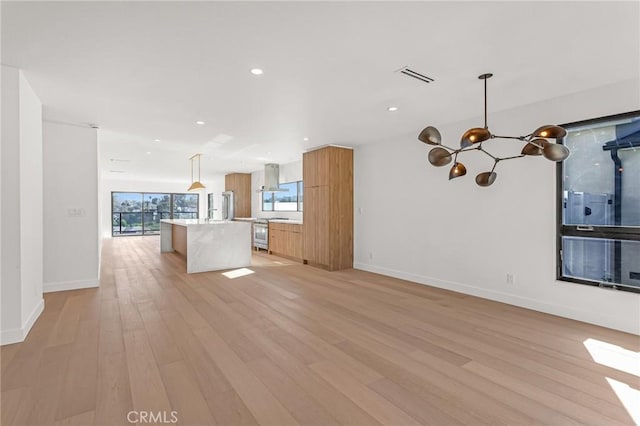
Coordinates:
[253,219]
[290,221]
[187,222]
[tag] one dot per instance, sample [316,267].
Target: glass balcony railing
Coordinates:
[143,223]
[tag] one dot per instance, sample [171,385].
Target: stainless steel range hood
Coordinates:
[272,179]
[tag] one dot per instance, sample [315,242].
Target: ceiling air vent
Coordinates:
[411,73]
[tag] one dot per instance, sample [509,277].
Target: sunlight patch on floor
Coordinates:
[629,397]
[237,273]
[614,356]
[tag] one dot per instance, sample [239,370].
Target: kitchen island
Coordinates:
[207,245]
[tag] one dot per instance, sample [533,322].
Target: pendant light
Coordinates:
[536,144]
[195,185]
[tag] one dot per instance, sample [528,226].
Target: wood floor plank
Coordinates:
[83,419]
[411,403]
[496,351]
[337,404]
[50,381]
[16,406]
[301,406]
[380,408]
[440,391]
[262,404]
[78,394]
[364,373]
[162,344]
[113,389]
[293,344]
[68,321]
[147,389]
[224,403]
[581,413]
[184,394]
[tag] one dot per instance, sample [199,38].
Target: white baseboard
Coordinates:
[70,285]
[17,335]
[590,317]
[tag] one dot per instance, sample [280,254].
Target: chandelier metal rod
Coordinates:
[511,158]
[520,138]
[488,153]
[485,104]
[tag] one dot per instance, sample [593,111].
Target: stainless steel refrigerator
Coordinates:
[227,206]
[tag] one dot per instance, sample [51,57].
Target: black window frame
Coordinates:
[299,201]
[142,211]
[621,233]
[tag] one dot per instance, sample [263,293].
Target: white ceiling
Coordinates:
[146,71]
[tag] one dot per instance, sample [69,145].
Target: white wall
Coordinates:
[71,238]
[31,199]
[412,223]
[214,185]
[11,285]
[289,172]
[22,207]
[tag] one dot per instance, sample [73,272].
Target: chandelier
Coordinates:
[536,143]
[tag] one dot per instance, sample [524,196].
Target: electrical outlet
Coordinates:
[75,212]
[511,279]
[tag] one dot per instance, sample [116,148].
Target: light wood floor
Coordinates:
[291,344]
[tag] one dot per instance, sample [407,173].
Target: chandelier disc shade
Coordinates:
[475,135]
[195,184]
[430,135]
[486,178]
[535,144]
[554,132]
[457,170]
[555,152]
[534,147]
[439,157]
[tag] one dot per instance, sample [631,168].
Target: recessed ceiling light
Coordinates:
[305,139]
[256,71]
[200,123]
[392,108]
[148,152]
[156,140]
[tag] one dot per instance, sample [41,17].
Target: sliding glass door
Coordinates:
[126,213]
[155,208]
[139,213]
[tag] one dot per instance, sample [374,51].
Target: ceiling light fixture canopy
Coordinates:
[536,144]
[195,185]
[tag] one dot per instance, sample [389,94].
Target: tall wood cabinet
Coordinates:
[328,207]
[240,184]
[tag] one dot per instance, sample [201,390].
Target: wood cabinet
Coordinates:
[285,239]
[328,207]
[240,184]
[315,168]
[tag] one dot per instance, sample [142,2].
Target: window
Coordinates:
[185,206]
[289,201]
[139,213]
[599,203]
